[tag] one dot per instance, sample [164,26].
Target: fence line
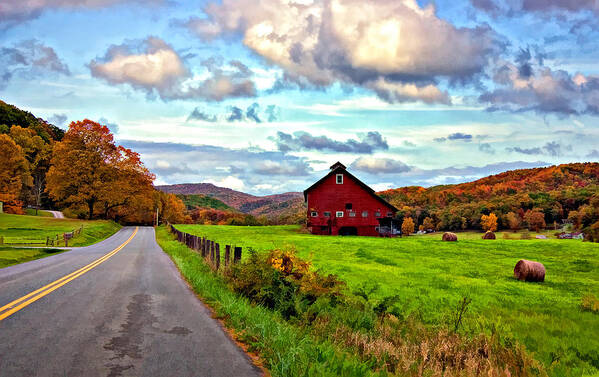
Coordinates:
[49,241]
[208,249]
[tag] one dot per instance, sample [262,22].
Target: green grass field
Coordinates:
[13,255]
[32,228]
[430,276]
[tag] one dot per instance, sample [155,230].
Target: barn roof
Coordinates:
[339,167]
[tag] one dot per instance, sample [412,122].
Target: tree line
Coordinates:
[527,198]
[82,171]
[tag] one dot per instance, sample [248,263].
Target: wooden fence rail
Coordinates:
[49,241]
[208,249]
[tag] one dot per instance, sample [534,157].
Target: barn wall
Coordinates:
[331,197]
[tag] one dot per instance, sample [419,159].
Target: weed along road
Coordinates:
[117,308]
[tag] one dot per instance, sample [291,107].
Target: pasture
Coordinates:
[429,277]
[17,230]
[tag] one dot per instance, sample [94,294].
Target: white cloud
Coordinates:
[382,45]
[18,10]
[154,66]
[229,182]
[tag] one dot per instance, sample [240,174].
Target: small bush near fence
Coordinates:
[384,339]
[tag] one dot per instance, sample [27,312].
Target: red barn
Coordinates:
[341,204]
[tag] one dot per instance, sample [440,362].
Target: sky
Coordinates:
[263,96]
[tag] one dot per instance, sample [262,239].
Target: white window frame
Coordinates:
[314,213]
[352,213]
[339,214]
[364,213]
[327,214]
[377,214]
[337,179]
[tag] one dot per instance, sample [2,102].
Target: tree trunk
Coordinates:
[90,205]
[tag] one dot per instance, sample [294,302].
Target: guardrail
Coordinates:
[208,249]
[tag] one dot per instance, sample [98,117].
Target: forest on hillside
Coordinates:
[528,198]
[81,171]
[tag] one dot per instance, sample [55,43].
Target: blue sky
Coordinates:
[263,95]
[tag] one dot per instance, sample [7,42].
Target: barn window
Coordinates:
[389,214]
[339,214]
[352,214]
[348,206]
[339,179]
[314,214]
[327,214]
[364,213]
[377,214]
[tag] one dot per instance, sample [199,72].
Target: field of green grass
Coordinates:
[23,229]
[13,255]
[430,276]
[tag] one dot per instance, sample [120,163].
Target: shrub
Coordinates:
[591,233]
[590,303]
[525,235]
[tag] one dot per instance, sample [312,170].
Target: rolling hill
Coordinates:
[279,208]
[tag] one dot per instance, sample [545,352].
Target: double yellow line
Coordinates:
[18,304]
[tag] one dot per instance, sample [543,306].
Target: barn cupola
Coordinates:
[337,165]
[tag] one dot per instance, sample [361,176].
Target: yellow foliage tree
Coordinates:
[407,227]
[489,223]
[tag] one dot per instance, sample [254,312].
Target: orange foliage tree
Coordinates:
[407,226]
[489,223]
[13,169]
[89,170]
[535,220]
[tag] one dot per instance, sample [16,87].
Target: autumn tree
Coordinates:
[535,220]
[37,153]
[13,167]
[428,224]
[407,226]
[489,223]
[513,220]
[172,209]
[575,217]
[89,169]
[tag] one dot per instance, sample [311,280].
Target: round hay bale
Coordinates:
[489,236]
[448,236]
[527,270]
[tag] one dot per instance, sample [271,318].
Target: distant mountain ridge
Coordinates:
[284,208]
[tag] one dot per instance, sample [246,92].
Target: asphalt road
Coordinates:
[131,315]
[57,214]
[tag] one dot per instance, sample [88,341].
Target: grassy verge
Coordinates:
[29,229]
[285,349]
[429,276]
[31,212]
[13,255]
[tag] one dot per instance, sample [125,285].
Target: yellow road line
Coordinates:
[49,288]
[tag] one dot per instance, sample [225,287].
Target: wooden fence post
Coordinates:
[66,240]
[227,255]
[211,251]
[205,248]
[237,254]
[217,255]
[2,240]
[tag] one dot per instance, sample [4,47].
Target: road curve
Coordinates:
[131,315]
[57,214]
